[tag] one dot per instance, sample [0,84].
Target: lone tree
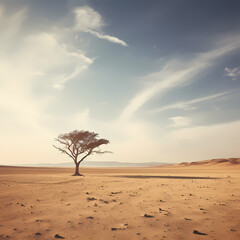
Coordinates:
[80,143]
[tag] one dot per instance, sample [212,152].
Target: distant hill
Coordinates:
[96,164]
[221,161]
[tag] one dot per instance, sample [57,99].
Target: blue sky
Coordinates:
[159,79]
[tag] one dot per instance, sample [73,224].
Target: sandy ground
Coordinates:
[121,203]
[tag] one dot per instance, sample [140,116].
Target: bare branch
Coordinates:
[62,142]
[63,151]
[90,152]
[71,151]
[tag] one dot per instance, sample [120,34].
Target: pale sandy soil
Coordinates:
[110,203]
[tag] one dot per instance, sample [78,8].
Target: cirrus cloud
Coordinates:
[90,21]
[233,73]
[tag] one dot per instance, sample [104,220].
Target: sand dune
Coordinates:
[225,161]
[175,202]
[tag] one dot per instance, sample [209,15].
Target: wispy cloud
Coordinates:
[187,105]
[176,74]
[89,20]
[109,38]
[179,121]
[233,73]
[44,54]
[168,79]
[28,59]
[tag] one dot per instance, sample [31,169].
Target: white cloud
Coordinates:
[38,54]
[57,86]
[88,20]
[109,38]
[43,53]
[179,121]
[187,105]
[233,73]
[176,74]
[29,59]
[164,81]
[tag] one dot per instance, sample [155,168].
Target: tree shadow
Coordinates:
[167,177]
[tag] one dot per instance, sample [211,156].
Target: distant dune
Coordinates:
[221,161]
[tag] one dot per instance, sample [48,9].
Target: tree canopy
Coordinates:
[80,144]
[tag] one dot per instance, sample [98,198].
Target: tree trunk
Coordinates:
[77,170]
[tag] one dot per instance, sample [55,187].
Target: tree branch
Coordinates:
[62,142]
[85,156]
[66,143]
[63,151]
[71,150]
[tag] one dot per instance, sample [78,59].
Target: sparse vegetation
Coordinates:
[80,144]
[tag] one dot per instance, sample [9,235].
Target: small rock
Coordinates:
[199,233]
[147,216]
[58,236]
[38,234]
[90,217]
[115,192]
[91,199]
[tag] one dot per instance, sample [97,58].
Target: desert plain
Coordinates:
[185,201]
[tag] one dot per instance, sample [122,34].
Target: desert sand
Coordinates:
[186,201]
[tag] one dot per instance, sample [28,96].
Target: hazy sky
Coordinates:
[159,79]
